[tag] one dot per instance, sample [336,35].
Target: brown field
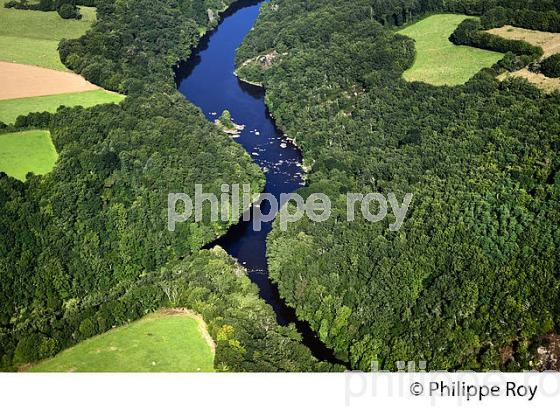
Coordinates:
[19,81]
[546,84]
[549,42]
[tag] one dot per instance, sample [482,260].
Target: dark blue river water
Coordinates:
[208,81]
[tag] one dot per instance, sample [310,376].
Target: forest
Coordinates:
[85,247]
[471,281]
[551,66]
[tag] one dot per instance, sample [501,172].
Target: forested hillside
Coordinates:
[86,247]
[475,267]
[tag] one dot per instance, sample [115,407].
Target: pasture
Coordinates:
[440,62]
[32,37]
[27,151]
[167,341]
[11,109]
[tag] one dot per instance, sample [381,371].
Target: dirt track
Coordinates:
[19,81]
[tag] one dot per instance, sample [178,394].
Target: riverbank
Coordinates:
[293,141]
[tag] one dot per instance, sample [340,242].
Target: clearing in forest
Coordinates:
[549,42]
[541,81]
[438,60]
[166,341]
[27,151]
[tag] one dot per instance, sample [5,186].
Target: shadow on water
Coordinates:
[209,82]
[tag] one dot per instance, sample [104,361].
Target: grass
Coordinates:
[11,109]
[440,62]
[32,37]
[28,151]
[160,342]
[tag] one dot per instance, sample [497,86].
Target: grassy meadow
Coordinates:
[27,151]
[440,62]
[32,37]
[11,109]
[160,342]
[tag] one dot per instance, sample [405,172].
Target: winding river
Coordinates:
[208,81]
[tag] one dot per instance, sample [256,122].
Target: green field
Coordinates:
[157,343]
[28,151]
[11,109]
[32,37]
[440,62]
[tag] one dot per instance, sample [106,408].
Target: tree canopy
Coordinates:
[474,268]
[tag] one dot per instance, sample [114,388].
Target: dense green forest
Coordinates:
[135,44]
[86,247]
[473,270]
[551,66]
[475,267]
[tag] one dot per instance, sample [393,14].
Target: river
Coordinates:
[209,82]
